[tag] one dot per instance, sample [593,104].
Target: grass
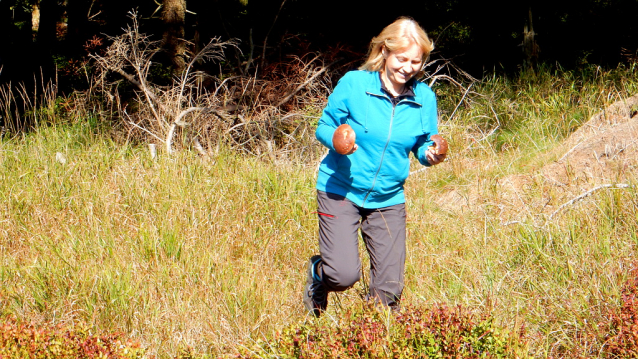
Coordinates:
[508,123]
[152,248]
[208,254]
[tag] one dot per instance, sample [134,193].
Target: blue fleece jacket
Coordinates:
[374,175]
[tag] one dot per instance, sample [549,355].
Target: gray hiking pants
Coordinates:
[383,232]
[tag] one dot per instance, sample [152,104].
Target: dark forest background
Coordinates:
[480,37]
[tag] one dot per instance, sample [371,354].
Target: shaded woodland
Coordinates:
[480,36]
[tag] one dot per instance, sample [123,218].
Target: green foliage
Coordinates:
[369,332]
[454,32]
[23,5]
[27,341]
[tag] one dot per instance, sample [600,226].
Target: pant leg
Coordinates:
[339,222]
[383,232]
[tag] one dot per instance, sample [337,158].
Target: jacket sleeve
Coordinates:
[335,113]
[430,127]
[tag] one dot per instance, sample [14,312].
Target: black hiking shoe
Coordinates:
[315,294]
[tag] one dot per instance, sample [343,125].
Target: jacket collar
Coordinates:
[377,87]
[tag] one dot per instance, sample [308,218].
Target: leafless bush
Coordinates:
[160,110]
[283,106]
[256,115]
[445,70]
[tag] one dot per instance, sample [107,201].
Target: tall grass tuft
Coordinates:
[24,106]
[514,119]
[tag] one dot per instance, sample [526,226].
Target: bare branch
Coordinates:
[459,104]
[300,87]
[199,148]
[580,197]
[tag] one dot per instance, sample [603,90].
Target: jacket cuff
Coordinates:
[324,135]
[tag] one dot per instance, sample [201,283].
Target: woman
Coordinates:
[392,115]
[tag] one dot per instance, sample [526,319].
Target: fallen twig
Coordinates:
[580,197]
[422,169]
[130,121]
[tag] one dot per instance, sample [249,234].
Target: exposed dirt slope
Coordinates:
[603,151]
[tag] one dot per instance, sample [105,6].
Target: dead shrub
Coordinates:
[271,115]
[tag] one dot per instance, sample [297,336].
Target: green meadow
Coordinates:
[192,255]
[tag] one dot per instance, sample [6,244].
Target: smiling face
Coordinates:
[400,66]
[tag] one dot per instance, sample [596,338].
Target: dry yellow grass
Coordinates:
[183,251]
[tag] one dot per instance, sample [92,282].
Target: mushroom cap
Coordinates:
[343,139]
[440,145]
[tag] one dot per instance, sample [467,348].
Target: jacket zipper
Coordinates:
[374,180]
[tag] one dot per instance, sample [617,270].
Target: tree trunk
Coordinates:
[78,23]
[173,17]
[47,31]
[35,18]
[530,47]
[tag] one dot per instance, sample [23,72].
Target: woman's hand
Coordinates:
[354,148]
[433,158]
[437,153]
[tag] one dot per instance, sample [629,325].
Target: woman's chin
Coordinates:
[403,79]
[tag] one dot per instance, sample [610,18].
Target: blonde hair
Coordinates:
[396,36]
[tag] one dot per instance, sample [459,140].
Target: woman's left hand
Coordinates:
[433,158]
[437,153]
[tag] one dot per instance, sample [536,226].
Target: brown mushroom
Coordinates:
[440,145]
[343,139]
